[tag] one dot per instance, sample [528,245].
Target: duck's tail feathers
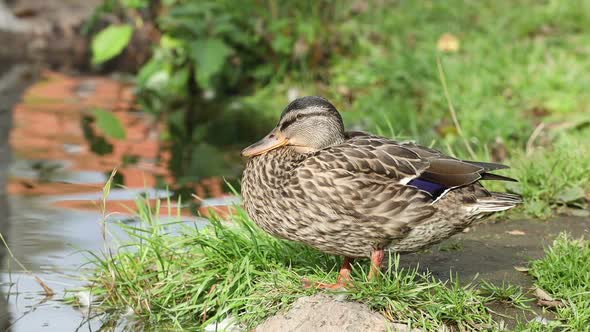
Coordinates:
[492,176]
[496,202]
[486,166]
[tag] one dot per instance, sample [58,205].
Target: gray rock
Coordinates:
[324,313]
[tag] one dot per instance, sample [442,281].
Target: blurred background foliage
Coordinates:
[220,72]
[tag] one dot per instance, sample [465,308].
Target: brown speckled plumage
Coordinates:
[356,196]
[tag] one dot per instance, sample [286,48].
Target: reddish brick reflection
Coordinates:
[47,125]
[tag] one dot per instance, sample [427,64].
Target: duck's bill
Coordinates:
[271,141]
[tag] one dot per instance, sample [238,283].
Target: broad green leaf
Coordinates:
[209,55]
[109,124]
[110,42]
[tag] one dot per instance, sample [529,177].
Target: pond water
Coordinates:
[51,188]
[50,243]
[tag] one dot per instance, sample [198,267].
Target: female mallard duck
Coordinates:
[357,195]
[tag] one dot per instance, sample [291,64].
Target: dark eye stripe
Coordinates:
[299,117]
[287,123]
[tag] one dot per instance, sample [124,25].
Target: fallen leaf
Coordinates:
[543,295]
[546,300]
[516,232]
[521,269]
[550,304]
[448,43]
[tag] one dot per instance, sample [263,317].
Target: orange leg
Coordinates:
[377,257]
[342,281]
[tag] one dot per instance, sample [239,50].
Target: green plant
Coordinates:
[181,276]
[220,73]
[553,177]
[564,272]
[110,42]
[212,52]
[505,293]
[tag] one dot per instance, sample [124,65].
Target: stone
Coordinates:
[324,313]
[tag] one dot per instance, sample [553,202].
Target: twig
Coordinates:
[443,81]
[534,135]
[48,291]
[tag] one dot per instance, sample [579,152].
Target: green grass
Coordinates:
[505,293]
[234,269]
[191,278]
[553,178]
[564,272]
[521,64]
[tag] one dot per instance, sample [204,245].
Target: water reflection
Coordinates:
[38,235]
[51,215]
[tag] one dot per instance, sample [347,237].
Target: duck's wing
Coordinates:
[453,172]
[364,179]
[407,163]
[389,187]
[372,156]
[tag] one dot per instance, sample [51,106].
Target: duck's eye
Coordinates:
[299,116]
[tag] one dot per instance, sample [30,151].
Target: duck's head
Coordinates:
[307,124]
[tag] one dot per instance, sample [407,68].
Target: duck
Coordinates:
[358,195]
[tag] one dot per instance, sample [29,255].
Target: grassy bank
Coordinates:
[515,75]
[185,277]
[564,273]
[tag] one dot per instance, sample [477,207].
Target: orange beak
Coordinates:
[273,140]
